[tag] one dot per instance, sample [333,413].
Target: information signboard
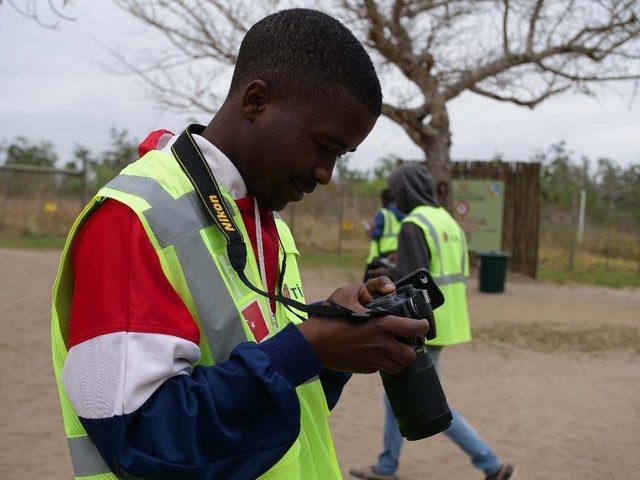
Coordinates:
[478,206]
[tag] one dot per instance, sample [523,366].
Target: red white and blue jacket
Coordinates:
[132,346]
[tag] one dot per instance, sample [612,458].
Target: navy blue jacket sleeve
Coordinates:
[378,226]
[333,383]
[234,420]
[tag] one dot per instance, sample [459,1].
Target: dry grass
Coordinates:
[330,222]
[587,268]
[553,337]
[38,215]
[331,219]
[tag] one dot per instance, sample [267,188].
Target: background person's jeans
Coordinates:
[460,432]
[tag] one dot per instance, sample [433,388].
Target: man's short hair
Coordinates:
[307,52]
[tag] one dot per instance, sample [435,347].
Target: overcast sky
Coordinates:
[52,87]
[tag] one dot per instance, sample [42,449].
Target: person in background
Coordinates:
[430,238]
[384,232]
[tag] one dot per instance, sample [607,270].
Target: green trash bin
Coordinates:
[493,271]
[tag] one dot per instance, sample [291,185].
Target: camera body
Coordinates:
[416,396]
[407,301]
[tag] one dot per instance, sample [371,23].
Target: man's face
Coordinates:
[294,145]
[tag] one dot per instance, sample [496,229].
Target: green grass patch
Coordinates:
[36,242]
[346,261]
[588,269]
[552,337]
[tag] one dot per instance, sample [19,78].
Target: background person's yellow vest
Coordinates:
[450,269]
[388,242]
[193,257]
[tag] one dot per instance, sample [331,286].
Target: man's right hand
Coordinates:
[364,348]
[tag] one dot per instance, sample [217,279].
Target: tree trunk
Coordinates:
[437,149]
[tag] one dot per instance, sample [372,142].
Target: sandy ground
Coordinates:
[552,381]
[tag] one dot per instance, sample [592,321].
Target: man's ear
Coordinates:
[255,99]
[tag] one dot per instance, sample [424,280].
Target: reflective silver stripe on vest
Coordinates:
[463,263]
[449,279]
[217,311]
[389,218]
[442,279]
[432,230]
[172,220]
[144,187]
[178,222]
[85,457]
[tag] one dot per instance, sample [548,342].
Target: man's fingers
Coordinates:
[380,286]
[401,353]
[365,296]
[349,295]
[401,326]
[389,366]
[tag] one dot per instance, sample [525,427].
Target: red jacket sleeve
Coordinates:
[119,284]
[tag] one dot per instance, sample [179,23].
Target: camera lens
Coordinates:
[415,395]
[417,399]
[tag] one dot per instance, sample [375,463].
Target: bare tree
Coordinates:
[429,52]
[31,9]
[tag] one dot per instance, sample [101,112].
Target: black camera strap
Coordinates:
[197,169]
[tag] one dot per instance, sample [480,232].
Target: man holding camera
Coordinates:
[173,358]
[430,238]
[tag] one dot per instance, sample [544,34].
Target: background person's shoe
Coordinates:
[506,472]
[369,473]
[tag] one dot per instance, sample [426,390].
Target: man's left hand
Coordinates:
[376,287]
[364,293]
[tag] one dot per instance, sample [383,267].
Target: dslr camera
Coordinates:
[416,396]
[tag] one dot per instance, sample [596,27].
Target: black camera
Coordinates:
[416,396]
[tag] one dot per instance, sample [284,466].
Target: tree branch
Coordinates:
[505,28]
[30,12]
[472,77]
[399,49]
[440,47]
[411,122]
[589,78]
[532,25]
[531,103]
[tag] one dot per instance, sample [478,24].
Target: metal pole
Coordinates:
[583,202]
[638,269]
[572,236]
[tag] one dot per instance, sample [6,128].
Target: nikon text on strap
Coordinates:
[199,173]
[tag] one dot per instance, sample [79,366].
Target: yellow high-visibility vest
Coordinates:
[450,269]
[194,259]
[388,242]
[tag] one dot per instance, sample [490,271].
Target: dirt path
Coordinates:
[552,381]
[563,402]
